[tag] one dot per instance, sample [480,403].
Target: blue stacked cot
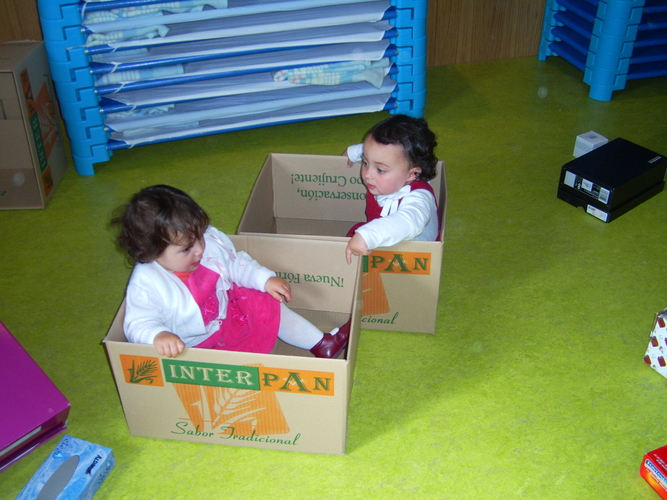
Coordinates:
[134,72]
[611,41]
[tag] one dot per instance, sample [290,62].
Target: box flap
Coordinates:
[309,272]
[12,53]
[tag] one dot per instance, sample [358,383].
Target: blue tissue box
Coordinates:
[75,470]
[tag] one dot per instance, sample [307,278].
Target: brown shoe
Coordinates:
[332,345]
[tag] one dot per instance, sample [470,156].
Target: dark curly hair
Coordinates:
[414,136]
[156,217]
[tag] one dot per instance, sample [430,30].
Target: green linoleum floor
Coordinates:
[533,385]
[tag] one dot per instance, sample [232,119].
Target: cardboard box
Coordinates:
[75,470]
[33,409]
[612,179]
[33,160]
[286,400]
[314,196]
[656,352]
[654,470]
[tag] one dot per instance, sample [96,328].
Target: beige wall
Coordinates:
[459,31]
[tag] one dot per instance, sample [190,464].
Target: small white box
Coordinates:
[587,142]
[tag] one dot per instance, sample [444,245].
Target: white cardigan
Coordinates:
[157,300]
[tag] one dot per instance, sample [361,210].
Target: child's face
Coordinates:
[182,258]
[385,168]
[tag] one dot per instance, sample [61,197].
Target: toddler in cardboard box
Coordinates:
[397,161]
[190,287]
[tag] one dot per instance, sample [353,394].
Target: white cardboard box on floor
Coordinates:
[585,143]
[287,400]
[33,160]
[319,197]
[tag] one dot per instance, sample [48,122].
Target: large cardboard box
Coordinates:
[33,160]
[286,400]
[33,410]
[315,196]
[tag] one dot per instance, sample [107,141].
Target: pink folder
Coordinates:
[32,409]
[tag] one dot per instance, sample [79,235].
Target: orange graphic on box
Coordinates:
[243,412]
[236,400]
[301,382]
[33,120]
[373,294]
[48,120]
[142,370]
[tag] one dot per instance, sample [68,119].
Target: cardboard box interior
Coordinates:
[314,195]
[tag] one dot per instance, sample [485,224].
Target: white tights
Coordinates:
[296,330]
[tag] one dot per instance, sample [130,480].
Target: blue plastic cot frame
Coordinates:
[611,41]
[81,102]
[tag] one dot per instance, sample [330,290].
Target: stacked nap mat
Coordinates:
[136,72]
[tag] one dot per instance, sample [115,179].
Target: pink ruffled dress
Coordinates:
[252,320]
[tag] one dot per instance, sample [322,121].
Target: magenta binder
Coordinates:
[32,409]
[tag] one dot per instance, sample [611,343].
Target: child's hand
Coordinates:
[279,289]
[168,344]
[356,246]
[349,162]
[354,153]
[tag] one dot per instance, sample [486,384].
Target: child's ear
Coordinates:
[415,173]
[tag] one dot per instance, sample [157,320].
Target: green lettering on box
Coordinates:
[217,375]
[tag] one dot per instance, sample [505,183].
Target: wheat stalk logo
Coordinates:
[242,412]
[146,371]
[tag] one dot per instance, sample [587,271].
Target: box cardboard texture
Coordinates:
[319,197]
[33,160]
[287,400]
[33,409]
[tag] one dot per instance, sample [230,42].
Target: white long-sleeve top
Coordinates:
[157,300]
[414,218]
[407,214]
